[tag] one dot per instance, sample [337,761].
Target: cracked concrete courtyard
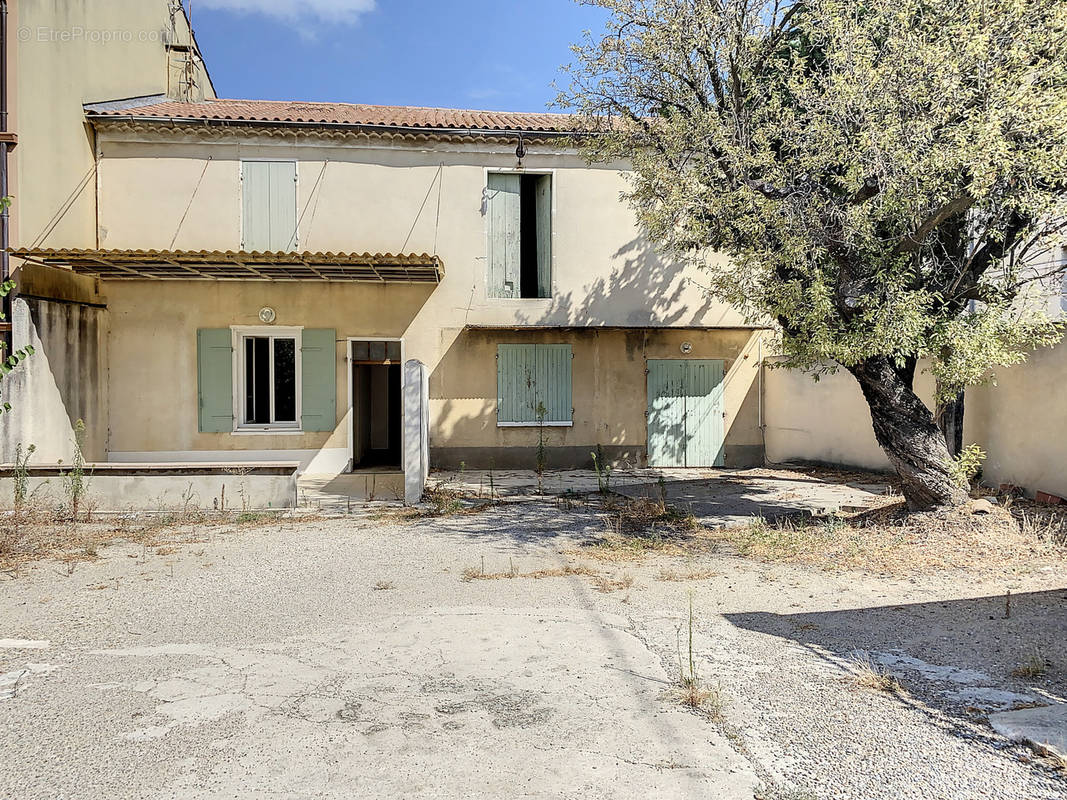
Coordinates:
[356,657]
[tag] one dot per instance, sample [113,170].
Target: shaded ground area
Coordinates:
[498,654]
[713,496]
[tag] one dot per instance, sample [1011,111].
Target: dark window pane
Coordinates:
[285,380]
[250,380]
[377,351]
[393,351]
[257,381]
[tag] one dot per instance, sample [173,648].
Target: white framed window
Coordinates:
[267,378]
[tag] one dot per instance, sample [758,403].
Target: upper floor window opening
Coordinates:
[268,199]
[519,211]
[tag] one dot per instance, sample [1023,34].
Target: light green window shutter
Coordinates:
[515,382]
[269,198]
[544,236]
[214,371]
[318,384]
[532,374]
[504,211]
[255,194]
[553,381]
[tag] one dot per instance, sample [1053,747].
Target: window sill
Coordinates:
[268,432]
[535,424]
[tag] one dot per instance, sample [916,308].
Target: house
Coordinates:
[365,289]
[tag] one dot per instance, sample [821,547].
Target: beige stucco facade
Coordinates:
[613,297]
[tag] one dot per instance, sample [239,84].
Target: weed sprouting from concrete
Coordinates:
[75,481]
[21,474]
[443,500]
[603,470]
[692,691]
[542,449]
[1034,666]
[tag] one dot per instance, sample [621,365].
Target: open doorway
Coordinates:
[377,404]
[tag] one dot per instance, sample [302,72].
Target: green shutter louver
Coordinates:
[514,382]
[532,374]
[214,372]
[318,366]
[504,212]
[268,193]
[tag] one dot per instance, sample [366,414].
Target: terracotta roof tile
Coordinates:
[347,114]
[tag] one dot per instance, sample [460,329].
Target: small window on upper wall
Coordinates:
[519,211]
[268,198]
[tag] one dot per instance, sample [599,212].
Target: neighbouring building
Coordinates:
[61,55]
[357,289]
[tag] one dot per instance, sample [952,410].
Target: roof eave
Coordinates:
[421,130]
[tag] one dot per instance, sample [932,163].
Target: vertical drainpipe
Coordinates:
[5,236]
[759,394]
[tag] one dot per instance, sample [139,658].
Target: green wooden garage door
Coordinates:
[685,426]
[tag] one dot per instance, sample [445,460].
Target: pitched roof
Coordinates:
[282,112]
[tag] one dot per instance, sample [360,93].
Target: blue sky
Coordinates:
[489,54]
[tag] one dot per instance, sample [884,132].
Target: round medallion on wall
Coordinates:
[687,348]
[267,315]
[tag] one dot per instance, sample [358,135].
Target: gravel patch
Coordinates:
[268,660]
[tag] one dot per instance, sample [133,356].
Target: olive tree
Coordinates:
[886,177]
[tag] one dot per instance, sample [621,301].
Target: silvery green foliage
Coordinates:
[881,177]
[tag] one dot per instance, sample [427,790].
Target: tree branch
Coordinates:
[914,241]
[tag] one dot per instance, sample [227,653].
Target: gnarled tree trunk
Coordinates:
[906,430]
[949,416]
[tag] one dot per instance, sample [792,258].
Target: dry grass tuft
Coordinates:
[866,674]
[479,573]
[888,539]
[1046,525]
[694,693]
[1054,760]
[383,586]
[689,575]
[39,533]
[1035,666]
[613,584]
[637,527]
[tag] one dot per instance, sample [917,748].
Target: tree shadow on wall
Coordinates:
[642,290]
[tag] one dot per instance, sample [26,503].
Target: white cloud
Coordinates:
[301,12]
